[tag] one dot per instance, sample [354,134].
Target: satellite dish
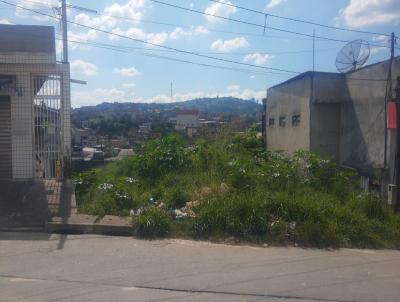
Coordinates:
[352,56]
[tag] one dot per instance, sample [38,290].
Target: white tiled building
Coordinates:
[35,135]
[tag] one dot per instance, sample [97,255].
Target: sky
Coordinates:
[125,70]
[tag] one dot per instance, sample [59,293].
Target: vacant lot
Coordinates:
[231,188]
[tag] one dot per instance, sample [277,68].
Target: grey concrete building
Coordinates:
[340,115]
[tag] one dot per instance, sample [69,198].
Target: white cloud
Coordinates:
[194,31]
[137,33]
[22,13]
[160,37]
[229,45]
[80,67]
[102,22]
[5,21]
[127,72]
[129,85]
[364,13]
[219,9]
[257,58]
[132,9]
[233,87]
[384,40]
[274,3]
[98,96]
[132,12]
[90,35]
[244,94]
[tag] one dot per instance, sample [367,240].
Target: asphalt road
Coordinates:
[42,267]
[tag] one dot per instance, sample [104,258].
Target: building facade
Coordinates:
[340,115]
[35,132]
[187,118]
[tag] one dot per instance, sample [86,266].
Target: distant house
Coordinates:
[83,137]
[341,115]
[187,118]
[35,135]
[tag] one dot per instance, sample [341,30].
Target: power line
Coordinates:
[309,36]
[259,25]
[299,20]
[211,52]
[183,26]
[116,48]
[154,44]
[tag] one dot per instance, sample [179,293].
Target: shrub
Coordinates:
[239,190]
[234,216]
[322,233]
[153,223]
[176,198]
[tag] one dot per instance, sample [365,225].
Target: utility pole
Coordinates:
[313,52]
[64,30]
[396,100]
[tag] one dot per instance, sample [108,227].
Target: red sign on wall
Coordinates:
[392,115]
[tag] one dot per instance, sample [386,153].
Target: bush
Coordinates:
[239,190]
[153,223]
[242,217]
[176,198]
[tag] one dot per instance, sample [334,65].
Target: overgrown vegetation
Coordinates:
[233,188]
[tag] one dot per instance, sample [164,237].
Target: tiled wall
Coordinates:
[22,113]
[27,58]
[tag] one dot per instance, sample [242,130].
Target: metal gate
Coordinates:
[47,123]
[5,138]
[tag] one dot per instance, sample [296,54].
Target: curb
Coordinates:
[85,224]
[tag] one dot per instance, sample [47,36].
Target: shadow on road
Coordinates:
[30,204]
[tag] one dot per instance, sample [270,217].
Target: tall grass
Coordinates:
[232,187]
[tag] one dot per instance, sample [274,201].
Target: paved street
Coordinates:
[42,267]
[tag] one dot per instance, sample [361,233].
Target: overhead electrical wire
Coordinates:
[299,20]
[260,25]
[248,71]
[170,49]
[121,49]
[308,37]
[208,52]
[154,44]
[184,26]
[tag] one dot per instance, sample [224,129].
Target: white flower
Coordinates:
[105,186]
[131,180]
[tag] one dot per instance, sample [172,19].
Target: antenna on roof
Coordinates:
[352,56]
